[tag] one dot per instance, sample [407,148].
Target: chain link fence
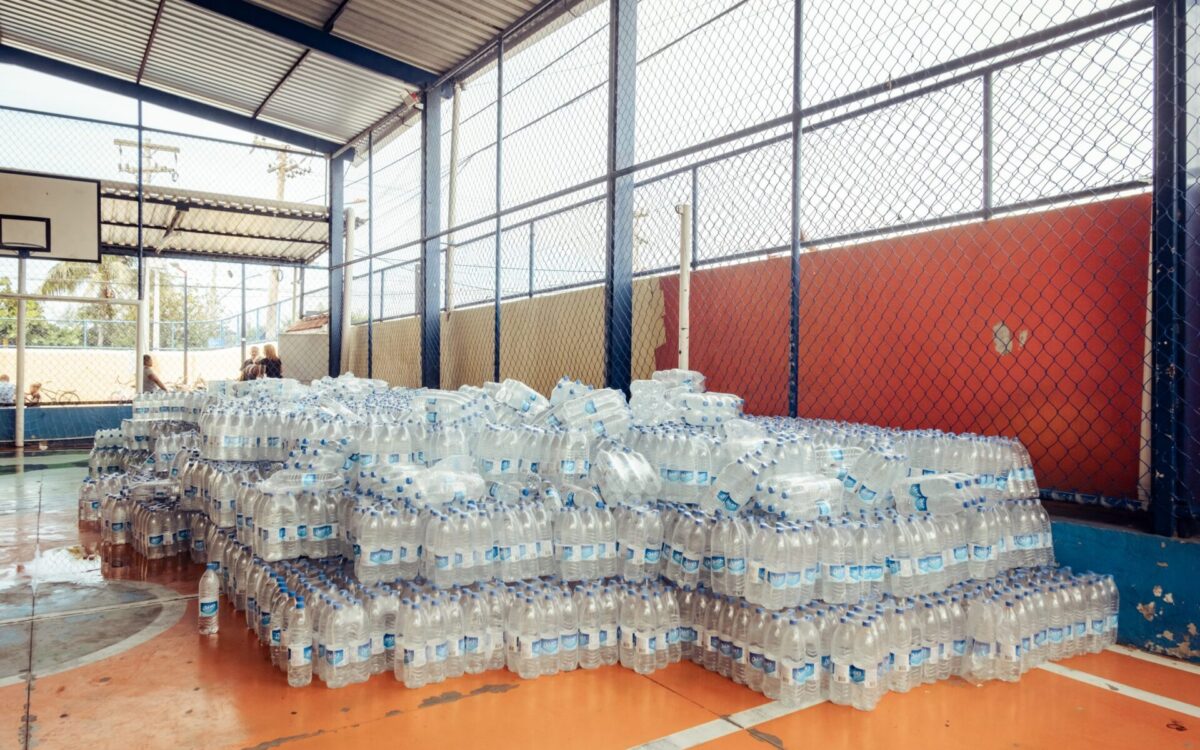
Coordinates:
[209,204]
[896,214]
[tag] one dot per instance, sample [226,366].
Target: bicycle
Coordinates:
[198,384]
[126,390]
[39,391]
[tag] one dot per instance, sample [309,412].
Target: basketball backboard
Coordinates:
[50,217]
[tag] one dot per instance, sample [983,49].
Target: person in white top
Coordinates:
[150,379]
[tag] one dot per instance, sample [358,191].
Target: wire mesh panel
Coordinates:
[556,107]
[890,213]
[707,70]
[552,274]
[976,255]
[469,322]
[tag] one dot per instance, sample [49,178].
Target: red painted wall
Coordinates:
[904,332]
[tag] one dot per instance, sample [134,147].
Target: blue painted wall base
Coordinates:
[62,422]
[1156,576]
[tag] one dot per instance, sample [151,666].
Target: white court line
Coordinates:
[717,728]
[767,712]
[1164,661]
[1145,696]
[693,736]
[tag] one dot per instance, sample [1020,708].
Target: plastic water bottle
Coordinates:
[522,636]
[568,640]
[209,604]
[299,646]
[589,615]
[799,663]
[476,647]
[411,668]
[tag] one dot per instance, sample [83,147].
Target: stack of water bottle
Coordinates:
[346,492]
[314,619]
[988,629]
[169,406]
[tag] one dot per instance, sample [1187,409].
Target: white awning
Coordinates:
[193,223]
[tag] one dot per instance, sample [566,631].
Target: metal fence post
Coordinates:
[1174,253]
[695,212]
[139,334]
[618,276]
[987,145]
[499,175]
[429,294]
[531,253]
[337,228]
[794,297]
[371,253]
[242,317]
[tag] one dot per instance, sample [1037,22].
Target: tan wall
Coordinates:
[93,373]
[541,339]
[397,353]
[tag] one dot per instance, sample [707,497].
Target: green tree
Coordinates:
[38,330]
[103,280]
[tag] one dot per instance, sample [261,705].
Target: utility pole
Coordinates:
[285,168]
[149,168]
[150,164]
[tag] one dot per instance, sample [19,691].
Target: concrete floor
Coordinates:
[104,653]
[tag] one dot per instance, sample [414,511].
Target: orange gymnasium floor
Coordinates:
[98,654]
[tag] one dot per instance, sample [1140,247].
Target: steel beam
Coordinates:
[797,237]
[317,39]
[429,294]
[1175,253]
[618,276]
[499,183]
[337,228]
[114,85]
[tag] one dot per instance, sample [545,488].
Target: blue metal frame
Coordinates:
[314,38]
[988,147]
[429,295]
[141,203]
[337,228]
[1164,337]
[1189,322]
[797,133]
[618,277]
[178,103]
[499,176]
[370,254]
[1175,255]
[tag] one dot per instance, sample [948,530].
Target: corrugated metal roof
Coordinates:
[201,54]
[107,35]
[432,34]
[205,56]
[211,224]
[428,33]
[324,94]
[311,12]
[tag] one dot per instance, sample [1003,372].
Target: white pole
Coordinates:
[452,199]
[19,417]
[295,293]
[347,289]
[155,307]
[685,280]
